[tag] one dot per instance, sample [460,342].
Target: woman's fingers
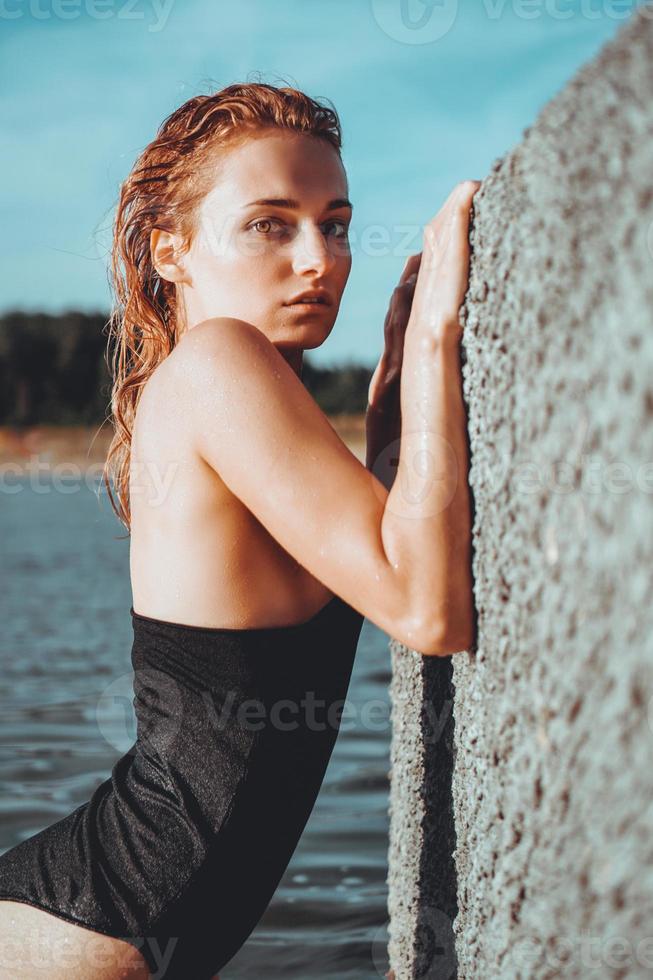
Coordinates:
[456,206]
[459,199]
[394,329]
[443,275]
[398,314]
[411,267]
[437,283]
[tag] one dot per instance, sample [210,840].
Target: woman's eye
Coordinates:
[265,221]
[343,225]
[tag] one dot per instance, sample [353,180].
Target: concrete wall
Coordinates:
[522,772]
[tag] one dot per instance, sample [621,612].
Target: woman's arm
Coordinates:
[253,422]
[426,523]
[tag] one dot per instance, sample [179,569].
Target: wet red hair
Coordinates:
[165,189]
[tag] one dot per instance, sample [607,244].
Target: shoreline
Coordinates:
[37,446]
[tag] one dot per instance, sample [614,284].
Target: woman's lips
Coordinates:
[313,307]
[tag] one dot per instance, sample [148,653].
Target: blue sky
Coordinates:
[429,92]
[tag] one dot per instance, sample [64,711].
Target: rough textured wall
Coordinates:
[548,811]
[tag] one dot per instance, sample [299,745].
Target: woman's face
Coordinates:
[250,260]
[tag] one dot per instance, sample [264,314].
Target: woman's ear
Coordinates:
[165,249]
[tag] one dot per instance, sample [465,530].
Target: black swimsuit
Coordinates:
[180,851]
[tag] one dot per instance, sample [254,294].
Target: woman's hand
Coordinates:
[427,300]
[429,295]
[383,418]
[383,391]
[443,273]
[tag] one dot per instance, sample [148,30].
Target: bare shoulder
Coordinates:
[220,334]
[222,358]
[236,380]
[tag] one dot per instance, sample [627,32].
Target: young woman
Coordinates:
[258,540]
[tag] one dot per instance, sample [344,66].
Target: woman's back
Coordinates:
[198,555]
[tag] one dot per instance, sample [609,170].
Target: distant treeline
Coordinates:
[53,371]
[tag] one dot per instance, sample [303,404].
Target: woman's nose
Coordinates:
[311,251]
